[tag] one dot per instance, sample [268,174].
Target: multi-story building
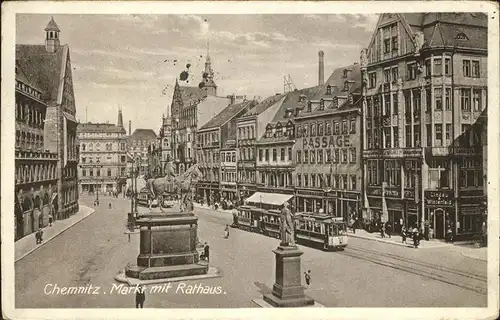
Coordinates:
[425,82]
[192,108]
[165,142]
[36,178]
[45,128]
[103,161]
[328,146]
[217,153]
[139,146]
[250,126]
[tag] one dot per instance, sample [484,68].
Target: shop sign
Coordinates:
[325,142]
[350,195]
[412,206]
[403,152]
[393,192]
[464,151]
[470,210]
[374,191]
[371,153]
[470,193]
[441,198]
[409,194]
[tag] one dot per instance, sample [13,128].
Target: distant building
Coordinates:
[46,147]
[103,162]
[425,85]
[217,153]
[139,144]
[192,108]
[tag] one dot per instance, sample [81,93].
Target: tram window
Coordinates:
[302,225]
[331,229]
[317,227]
[266,218]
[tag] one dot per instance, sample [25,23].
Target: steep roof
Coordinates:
[52,26]
[265,104]
[191,94]
[143,134]
[42,68]
[99,127]
[21,76]
[227,114]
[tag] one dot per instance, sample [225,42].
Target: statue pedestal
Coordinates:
[167,247]
[287,289]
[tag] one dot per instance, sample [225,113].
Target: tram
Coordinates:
[143,198]
[314,230]
[320,231]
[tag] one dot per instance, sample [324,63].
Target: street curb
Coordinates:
[395,243]
[54,236]
[474,257]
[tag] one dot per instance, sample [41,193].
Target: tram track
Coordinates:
[455,277]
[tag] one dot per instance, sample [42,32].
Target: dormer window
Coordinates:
[309,106]
[350,99]
[346,86]
[328,89]
[462,36]
[335,103]
[321,105]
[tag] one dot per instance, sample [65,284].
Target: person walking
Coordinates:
[389,229]
[307,276]
[206,252]
[39,236]
[140,296]
[382,230]
[50,220]
[403,235]
[226,232]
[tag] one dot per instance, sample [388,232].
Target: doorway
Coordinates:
[439,224]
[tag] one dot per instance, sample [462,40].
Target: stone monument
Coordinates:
[168,240]
[287,289]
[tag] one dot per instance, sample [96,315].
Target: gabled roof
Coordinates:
[265,104]
[42,68]
[227,114]
[191,94]
[99,127]
[143,134]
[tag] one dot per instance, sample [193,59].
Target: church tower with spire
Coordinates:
[166,139]
[52,36]
[208,83]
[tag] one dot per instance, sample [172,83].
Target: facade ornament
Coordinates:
[363,57]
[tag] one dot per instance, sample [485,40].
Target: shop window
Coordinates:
[439,174]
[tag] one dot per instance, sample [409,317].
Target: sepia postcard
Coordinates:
[227,160]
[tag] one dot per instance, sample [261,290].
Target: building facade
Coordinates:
[328,146]
[103,161]
[140,145]
[35,167]
[425,83]
[46,128]
[217,154]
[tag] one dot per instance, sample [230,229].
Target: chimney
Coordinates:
[130,127]
[321,65]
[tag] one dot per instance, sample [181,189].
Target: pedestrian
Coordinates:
[416,238]
[403,235]
[382,230]
[206,252]
[307,276]
[140,296]
[110,205]
[50,220]
[389,229]
[39,236]
[226,232]
[449,234]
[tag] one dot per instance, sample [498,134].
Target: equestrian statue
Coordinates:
[183,185]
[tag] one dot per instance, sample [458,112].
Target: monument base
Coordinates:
[175,271]
[287,289]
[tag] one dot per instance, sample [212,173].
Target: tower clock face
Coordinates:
[168,130]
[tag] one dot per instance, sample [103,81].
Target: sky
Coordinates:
[132,61]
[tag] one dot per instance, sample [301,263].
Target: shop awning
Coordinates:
[276,199]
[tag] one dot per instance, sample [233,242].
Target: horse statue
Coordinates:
[182,185]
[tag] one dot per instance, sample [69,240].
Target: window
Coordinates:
[477,99]
[439,173]
[313,180]
[84,172]
[438,98]
[447,66]
[411,173]
[306,130]
[328,155]
[299,131]
[320,156]
[411,71]
[387,105]
[299,156]
[320,129]
[306,180]
[313,156]
[313,130]
[466,68]
[447,103]
[91,172]
[387,75]
[353,182]
[438,67]
[344,181]
[448,131]
[267,154]
[394,43]
[328,89]
[337,127]
[306,156]
[395,133]
[321,105]
[428,68]
[344,127]
[353,126]
[352,155]
[429,135]
[344,155]
[83,146]
[465,97]
[282,154]
[395,104]
[299,180]
[387,45]
[439,134]
[309,106]
[372,79]
[109,172]
[328,128]
[98,173]
[387,137]
[395,74]
[392,172]
[408,136]
[475,69]
[289,154]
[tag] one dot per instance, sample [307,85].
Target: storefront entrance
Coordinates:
[439,225]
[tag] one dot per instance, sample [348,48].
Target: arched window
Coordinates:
[83,146]
[91,147]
